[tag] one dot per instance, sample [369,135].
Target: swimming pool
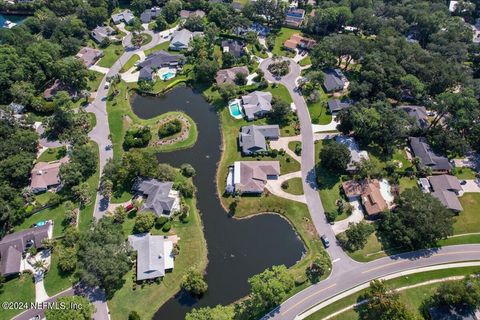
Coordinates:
[41,223]
[235,109]
[167,76]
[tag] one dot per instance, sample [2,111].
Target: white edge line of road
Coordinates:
[387,277]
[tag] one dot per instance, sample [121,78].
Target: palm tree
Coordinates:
[40,265]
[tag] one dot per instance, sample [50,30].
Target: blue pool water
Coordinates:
[168,75]
[14,18]
[41,223]
[235,109]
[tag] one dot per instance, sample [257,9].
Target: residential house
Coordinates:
[259,29]
[235,47]
[368,191]
[337,105]
[181,39]
[356,155]
[334,80]
[57,86]
[157,60]
[476,31]
[298,41]
[185,14]
[16,108]
[46,176]
[124,16]
[150,14]
[89,56]
[154,255]
[253,139]
[13,245]
[419,113]
[159,196]
[252,176]
[100,33]
[294,17]
[228,75]
[256,104]
[428,159]
[447,188]
[237,6]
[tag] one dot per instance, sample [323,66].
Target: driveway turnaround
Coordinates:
[275,187]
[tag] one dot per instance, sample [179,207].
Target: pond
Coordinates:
[237,249]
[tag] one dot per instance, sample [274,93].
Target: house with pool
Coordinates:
[253,106]
[160,63]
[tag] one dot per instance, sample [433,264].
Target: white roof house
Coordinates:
[154,255]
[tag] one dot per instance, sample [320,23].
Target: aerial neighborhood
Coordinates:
[156,156]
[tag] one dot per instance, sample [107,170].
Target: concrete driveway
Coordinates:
[471,186]
[275,187]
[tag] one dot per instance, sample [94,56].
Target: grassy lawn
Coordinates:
[130,63]
[181,77]
[86,213]
[56,281]
[407,183]
[293,144]
[465,173]
[19,289]
[330,183]
[111,54]
[57,214]
[371,251]
[295,186]
[259,53]
[280,91]
[147,299]
[412,297]
[52,154]
[319,110]
[282,36]
[305,61]
[121,116]
[92,119]
[146,38]
[468,220]
[158,47]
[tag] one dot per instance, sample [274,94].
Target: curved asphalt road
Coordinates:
[101,131]
[346,273]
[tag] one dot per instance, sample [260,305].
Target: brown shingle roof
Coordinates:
[369,192]
[46,174]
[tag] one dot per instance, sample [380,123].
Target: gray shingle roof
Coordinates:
[253,138]
[419,113]
[445,188]
[181,39]
[158,60]
[257,102]
[100,33]
[13,245]
[157,195]
[252,176]
[336,105]
[124,16]
[151,255]
[150,14]
[334,80]
[235,47]
[427,157]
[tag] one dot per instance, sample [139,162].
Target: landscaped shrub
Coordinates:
[285,185]
[169,128]
[137,138]
[167,226]
[279,69]
[187,170]
[160,221]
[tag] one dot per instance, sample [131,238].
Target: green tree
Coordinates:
[383,304]
[67,260]
[227,91]
[218,312]
[82,193]
[270,287]
[138,6]
[193,283]
[171,9]
[144,222]
[119,214]
[356,236]
[133,315]
[459,294]
[160,24]
[281,112]
[205,70]
[187,170]
[317,268]
[84,311]
[418,221]
[166,172]
[103,256]
[335,156]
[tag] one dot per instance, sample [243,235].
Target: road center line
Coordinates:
[406,260]
[308,297]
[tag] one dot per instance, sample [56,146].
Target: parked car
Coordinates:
[107,85]
[463,182]
[325,241]
[129,207]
